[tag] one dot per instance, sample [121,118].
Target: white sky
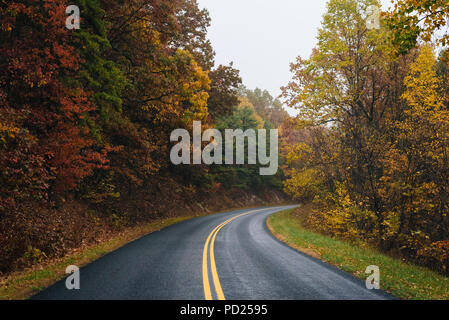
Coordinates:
[263,37]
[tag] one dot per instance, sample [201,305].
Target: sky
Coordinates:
[262,37]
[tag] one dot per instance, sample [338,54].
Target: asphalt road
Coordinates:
[205,259]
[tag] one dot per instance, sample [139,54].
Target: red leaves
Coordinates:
[23,172]
[216,188]
[35,56]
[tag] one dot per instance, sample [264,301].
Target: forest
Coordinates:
[370,145]
[86,117]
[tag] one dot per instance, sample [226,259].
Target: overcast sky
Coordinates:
[263,37]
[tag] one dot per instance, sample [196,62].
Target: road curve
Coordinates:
[229,256]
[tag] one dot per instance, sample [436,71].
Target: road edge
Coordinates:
[281,239]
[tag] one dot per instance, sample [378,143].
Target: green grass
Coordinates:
[403,280]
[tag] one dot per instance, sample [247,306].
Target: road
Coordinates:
[230,256]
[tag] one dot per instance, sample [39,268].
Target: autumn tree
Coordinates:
[47,145]
[344,84]
[164,87]
[246,176]
[417,167]
[193,24]
[37,60]
[224,94]
[351,88]
[371,147]
[411,20]
[86,116]
[268,107]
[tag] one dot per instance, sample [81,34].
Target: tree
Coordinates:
[192,35]
[346,86]
[98,73]
[372,138]
[411,19]
[269,108]
[166,87]
[418,166]
[37,59]
[224,93]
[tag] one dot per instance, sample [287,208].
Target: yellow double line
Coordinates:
[211,240]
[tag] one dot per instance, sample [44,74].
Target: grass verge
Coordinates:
[24,284]
[403,280]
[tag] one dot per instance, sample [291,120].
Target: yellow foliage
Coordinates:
[244,102]
[303,185]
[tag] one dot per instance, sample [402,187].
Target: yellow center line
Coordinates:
[206,285]
[211,239]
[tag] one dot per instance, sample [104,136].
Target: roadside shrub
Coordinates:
[28,235]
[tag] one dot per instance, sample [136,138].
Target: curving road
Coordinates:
[229,256]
